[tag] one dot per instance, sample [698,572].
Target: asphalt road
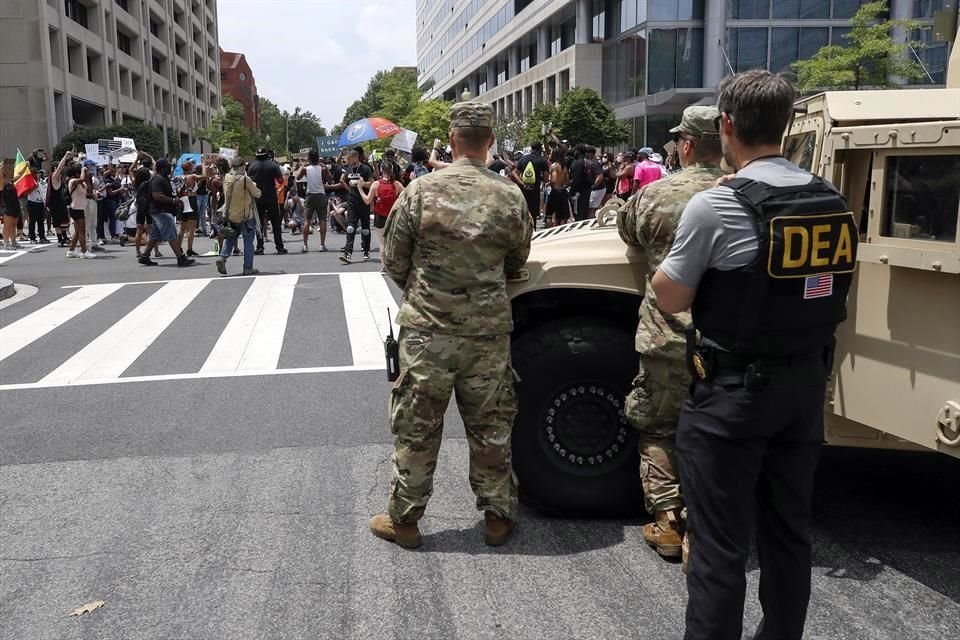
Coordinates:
[227,506]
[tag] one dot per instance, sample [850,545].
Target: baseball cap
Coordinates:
[647,151]
[162,163]
[698,121]
[262,151]
[471,114]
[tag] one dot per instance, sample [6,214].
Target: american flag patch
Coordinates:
[818,286]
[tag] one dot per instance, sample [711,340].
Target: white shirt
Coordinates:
[314,175]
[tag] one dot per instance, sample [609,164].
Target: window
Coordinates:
[673,10]
[122,4]
[243,77]
[920,197]
[76,11]
[846,8]
[676,59]
[933,55]
[599,20]
[748,9]
[123,42]
[799,149]
[926,8]
[789,44]
[154,27]
[796,9]
[747,48]
[155,64]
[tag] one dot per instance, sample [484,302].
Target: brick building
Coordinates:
[236,81]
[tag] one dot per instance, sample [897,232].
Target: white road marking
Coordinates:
[253,338]
[367,305]
[114,350]
[194,376]
[218,279]
[24,291]
[30,328]
[250,345]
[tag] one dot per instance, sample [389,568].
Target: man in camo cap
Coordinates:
[649,221]
[450,239]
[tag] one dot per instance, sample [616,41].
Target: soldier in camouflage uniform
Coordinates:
[449,241]
[649,220]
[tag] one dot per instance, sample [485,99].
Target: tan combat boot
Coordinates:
[407,535]
[496,530]
[664,533]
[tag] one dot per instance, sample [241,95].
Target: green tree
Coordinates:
[510,129]
[398,95]
[227,129]
[147,138]
[583,116]
[430,119]
[871,57]
[543,118]
[304,127]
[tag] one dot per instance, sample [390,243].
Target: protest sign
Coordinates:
[404,140]
[229,154]
[328,145]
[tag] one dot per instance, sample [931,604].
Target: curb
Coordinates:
[7,289]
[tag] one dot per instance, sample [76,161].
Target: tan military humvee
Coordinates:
[896,156]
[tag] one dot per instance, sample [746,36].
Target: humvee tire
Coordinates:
[574,453]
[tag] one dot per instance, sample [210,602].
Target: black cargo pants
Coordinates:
[747,458]
[358,216]
[269,210]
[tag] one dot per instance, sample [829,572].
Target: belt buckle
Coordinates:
[700,365]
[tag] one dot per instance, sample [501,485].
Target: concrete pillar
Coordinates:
[543,42]
[491,74]
[513,61]
[714,37]
[474,84]
[584,22]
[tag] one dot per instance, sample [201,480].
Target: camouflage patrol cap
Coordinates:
[698,121]
[471,114]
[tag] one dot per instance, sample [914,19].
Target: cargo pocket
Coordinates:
[638,405]
[397,393]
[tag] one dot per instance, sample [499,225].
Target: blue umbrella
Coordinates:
[367,129]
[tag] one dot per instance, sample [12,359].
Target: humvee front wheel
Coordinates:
[573,451]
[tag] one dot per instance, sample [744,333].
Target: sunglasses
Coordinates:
[719,119]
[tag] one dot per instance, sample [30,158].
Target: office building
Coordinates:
[69,63]
[237,81]
[648,58]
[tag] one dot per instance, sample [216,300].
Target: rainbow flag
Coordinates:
[23,180]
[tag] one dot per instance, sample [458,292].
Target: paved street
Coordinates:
[204,453]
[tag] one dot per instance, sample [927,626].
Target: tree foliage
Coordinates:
[543,118]
[583,116]
[227,129]
[871,57]
[430,119]
[304,129]
[148,138]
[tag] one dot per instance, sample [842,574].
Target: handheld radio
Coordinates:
[392,351]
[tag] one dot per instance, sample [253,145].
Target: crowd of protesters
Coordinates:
[87,206]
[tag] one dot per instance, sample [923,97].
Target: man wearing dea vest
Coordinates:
[649,221]
[765,260]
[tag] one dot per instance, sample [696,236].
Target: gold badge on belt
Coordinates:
[700,365]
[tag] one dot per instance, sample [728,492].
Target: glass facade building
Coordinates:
[648,58]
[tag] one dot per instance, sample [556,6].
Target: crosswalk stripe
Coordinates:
[109,355]
[31,328]
[367,304]
[253,338]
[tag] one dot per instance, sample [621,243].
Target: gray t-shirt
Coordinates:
[716,232]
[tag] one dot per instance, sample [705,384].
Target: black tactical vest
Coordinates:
[791,298]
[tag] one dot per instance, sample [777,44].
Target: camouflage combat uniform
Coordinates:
[649,221]
[450,238]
